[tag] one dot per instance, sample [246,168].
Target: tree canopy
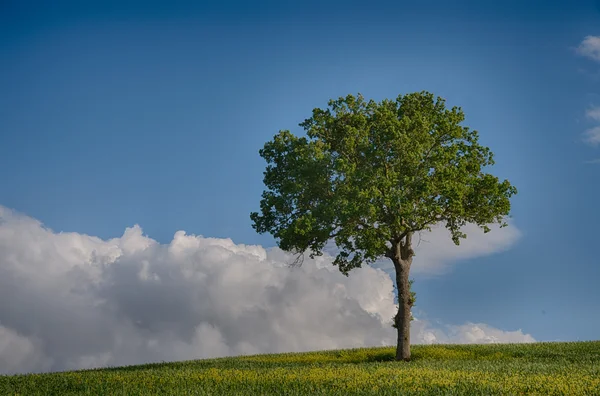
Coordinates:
[369,174]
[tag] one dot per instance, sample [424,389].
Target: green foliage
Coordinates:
[413,296]
[368,173]
[412,299]
[497,369]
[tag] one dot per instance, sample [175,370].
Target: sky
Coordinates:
[129,138]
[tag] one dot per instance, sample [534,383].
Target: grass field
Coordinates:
[500,369]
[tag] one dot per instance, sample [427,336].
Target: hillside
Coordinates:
[542,368]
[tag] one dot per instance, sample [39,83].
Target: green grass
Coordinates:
[502,369]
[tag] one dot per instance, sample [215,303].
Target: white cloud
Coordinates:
[593,113]
[469,333]
[592,135]
[71,301]
[590,48]
[19,353]
[435,252]
[436,249]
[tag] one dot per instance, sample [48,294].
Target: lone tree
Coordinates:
[371,174]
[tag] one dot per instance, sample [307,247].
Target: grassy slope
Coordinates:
[511,369]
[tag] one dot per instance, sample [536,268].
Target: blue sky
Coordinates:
[121,113]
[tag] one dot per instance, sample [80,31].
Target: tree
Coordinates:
[369,175]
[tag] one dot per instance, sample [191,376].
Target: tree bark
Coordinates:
[401,254]
[403,316]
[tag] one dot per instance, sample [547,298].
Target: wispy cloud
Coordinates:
[594,161]
[73,301]
[593,113]
[590,48]
[592,135]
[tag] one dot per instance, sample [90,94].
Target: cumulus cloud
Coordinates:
[590,48]
[73,301]
[435,252]
[468,333]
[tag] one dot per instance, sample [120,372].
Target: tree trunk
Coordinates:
[401,253]
[403,316]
